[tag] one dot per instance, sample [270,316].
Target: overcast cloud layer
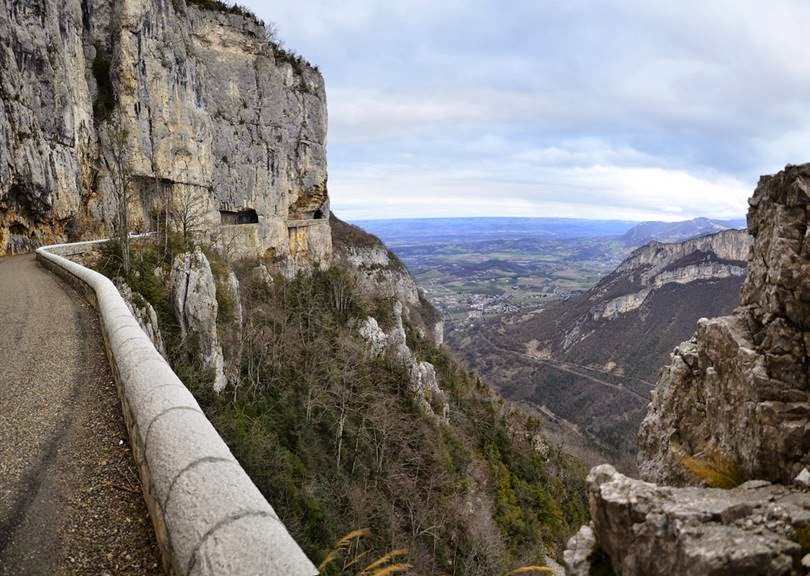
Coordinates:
[581,108]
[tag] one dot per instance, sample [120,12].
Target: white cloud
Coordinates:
[601,191]
[569,108]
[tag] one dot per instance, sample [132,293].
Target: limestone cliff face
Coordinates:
[212,110]
[740,385]
[655,265]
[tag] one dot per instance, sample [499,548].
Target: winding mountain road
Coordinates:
[70,500]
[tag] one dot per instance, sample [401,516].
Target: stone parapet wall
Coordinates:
[209,517]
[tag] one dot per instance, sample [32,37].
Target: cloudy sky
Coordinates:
[625,109]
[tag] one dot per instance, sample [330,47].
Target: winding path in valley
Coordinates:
[70,499]
[574,369]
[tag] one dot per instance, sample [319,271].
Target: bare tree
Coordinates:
[117,160]
[188,211]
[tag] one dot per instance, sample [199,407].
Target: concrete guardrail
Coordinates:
[209,517]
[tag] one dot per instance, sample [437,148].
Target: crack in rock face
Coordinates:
[738,388]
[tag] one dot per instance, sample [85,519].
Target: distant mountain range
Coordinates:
[421,231]
[676,231]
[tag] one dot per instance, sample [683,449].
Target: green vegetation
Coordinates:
[225,7]
[335,439]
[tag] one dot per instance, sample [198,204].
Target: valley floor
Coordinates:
[70,499]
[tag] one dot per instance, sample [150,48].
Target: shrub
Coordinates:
[224,7]
[333,437]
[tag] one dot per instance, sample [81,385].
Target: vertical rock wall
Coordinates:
[213,111]
[741,385]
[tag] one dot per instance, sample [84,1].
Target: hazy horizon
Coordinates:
[392,219]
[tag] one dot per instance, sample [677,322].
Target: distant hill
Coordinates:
[420,231]
[676,231]
[591,359]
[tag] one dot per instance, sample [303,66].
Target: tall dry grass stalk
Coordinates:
[386,565]
[712,468]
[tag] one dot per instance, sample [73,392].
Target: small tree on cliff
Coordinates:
[116,157]
[188,211]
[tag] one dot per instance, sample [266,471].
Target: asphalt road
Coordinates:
[70,501]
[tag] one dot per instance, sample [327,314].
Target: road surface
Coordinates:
[70,501]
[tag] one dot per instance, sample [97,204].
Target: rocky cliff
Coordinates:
[733,406]
[380,273]
[219,123]
[740,385]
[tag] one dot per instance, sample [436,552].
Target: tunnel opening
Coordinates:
[247,216]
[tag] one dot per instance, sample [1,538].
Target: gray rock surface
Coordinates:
[375,336]
[424,382]
[144,313]
[657,264]
[738,388]
[194,297]
[645,529]
[577,555]
[741,385]
[214,112]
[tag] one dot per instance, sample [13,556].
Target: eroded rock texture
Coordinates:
[645,529]
[424,382]
[740,385]
[738,388]
[194,299]
[219,121]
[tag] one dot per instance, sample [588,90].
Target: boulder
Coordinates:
[194,298]
[645,529]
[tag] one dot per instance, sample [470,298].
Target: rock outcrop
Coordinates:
[380,273]
[194,297]
[424,383]
[644,529]
[737,391]
[144,313]
[655,265]
[223,126]
[740,385]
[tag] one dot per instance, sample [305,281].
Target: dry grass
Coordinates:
[531,570]
[346,550]
[712,468]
